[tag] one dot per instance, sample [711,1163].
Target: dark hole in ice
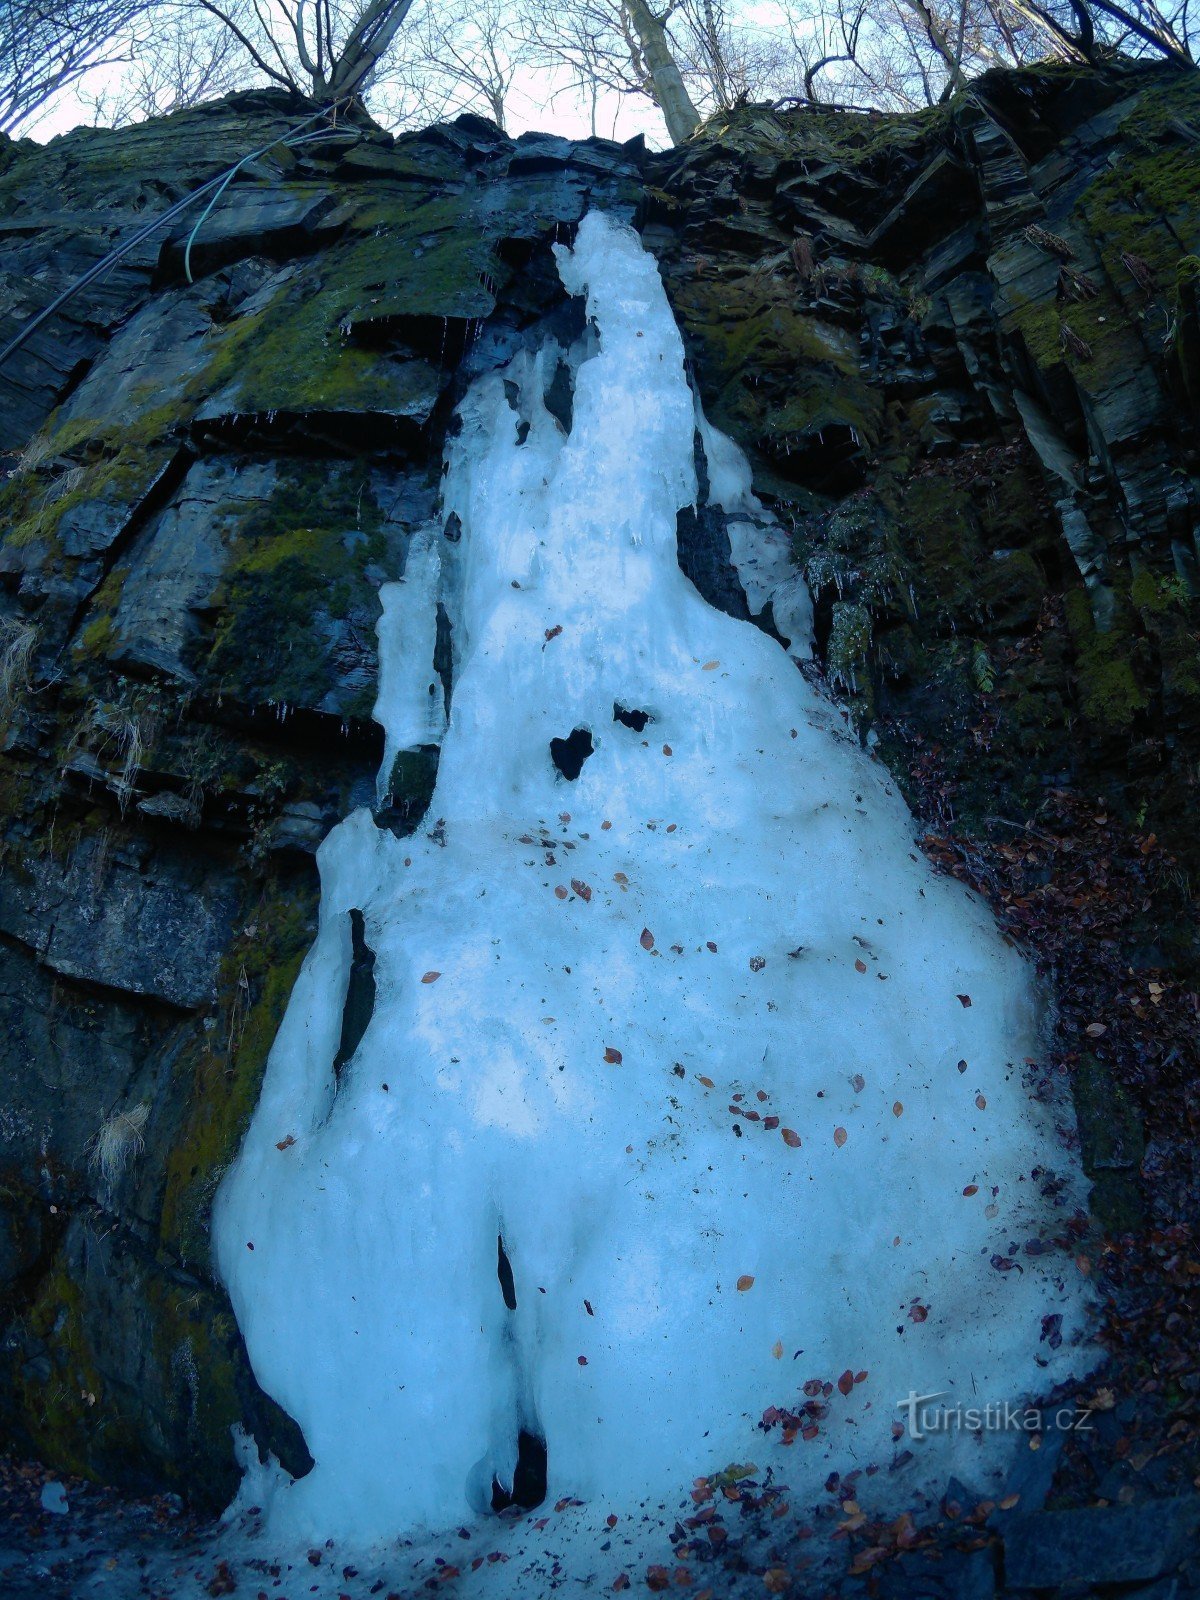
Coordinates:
[505,1273]
[360,994]
[560,396]
[410,787]
[529,1477]
[522,431]
[570,753]
[636,720]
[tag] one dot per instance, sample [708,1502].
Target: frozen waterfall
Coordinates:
[686,1080]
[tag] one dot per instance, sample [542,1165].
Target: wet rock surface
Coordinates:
[962,350]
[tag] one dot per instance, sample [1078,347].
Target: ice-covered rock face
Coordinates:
[667,1001]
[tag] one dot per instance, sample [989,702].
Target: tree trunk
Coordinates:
[670,92]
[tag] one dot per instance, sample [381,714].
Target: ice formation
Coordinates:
[686,1081]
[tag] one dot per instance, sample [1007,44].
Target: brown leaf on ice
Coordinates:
[846,1382]
[791,1137]
[431,977]
[582,889]
[647,939]
[981,1102]
[840,1136]
[771,1122]
[964,1000]
[707,1082]
[746,1281]
[286,1144]
[710,666]
[613,1057]
[553,633]
[667,751]
[860,965]
[971,1188]
[897,1108]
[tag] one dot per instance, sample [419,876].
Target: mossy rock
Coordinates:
[226,1065]
[1109,670]
[297,603]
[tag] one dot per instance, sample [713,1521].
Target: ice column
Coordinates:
[680,1021]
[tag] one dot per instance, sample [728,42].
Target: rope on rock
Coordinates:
[214,187]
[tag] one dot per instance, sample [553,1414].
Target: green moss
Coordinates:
[847,655]
[61,1410]
[255,982]
[1110,695]
[295,577]
[1158,593]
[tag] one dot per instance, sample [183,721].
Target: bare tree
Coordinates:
[329,49]
[621,46]
[178,56]
[48,45]
[457,59]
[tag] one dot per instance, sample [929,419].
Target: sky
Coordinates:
[535,101]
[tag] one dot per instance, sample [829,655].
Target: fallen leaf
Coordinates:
[709,666]
[964,1000]
[582,1360]
[1096,1030]
[667,751]
[840,1136]
[858,1083]
[777,1580]
[560,891]
[918,1313]
[791,1137]
[712,947]
[972,1188]
[707,1082]
[981,1102]
[757,963]
[605,826]
[581,889]
[845,1383]
[431,977]
[286,1144]
[613,1057]
[771,1123]
[777,1349]
[647,939]
[1009,1502]
[860,965]
[619,877]
[553,633]
[746,1281]
[897,1108]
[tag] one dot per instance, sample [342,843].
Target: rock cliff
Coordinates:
[963,352]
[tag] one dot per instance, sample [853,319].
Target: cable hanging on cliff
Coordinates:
[215,187]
